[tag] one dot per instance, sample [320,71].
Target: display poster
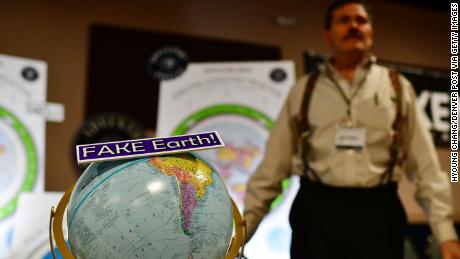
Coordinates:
[241,101]
[22,136]
[31,238]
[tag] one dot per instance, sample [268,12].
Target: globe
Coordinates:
[173,206]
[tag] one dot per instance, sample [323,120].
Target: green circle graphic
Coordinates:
[31,160]
[207,112]
[232,109]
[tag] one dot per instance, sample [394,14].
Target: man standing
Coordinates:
[352,128]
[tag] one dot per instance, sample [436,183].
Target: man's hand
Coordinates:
[450,249]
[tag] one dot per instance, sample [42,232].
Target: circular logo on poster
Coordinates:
[18,161]
[278,75]
[167,63]
[29,74]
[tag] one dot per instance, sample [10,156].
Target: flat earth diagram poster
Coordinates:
[22,136]
[240,100]
[31,238]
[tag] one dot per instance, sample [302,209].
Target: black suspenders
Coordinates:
[304,128]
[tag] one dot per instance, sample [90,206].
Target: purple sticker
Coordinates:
[147,147]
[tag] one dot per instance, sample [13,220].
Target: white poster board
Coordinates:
[240,100]
[22,136]
[31,237]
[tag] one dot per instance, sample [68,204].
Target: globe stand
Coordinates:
[56,218]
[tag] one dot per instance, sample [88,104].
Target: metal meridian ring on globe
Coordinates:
[56,218]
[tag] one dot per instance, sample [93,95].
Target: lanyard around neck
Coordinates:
[347,100]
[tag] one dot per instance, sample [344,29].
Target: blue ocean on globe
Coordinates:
[173,206]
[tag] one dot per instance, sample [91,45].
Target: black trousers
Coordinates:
[347,223]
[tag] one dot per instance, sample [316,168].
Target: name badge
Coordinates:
[350,138]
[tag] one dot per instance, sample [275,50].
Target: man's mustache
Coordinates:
[354,34]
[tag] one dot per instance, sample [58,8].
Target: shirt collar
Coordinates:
[366,63]
[327,66]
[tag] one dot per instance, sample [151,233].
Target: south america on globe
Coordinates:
[173,206]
